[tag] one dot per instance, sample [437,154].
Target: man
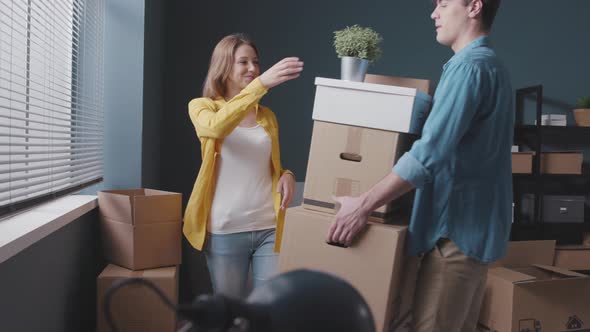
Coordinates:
[461,167]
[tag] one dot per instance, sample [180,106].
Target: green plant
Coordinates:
[583,102]
[359,42]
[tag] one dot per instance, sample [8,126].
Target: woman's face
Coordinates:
[244,69]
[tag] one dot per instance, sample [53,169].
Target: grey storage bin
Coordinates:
[563,209]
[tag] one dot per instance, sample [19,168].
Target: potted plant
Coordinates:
[356,46]
[582,113]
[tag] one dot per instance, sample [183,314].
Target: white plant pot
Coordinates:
[353,69]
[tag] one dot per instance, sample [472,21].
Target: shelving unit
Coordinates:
[534,137]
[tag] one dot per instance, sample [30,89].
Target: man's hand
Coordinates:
[350,220]
[354,211]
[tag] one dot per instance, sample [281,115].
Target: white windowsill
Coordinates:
[22,230]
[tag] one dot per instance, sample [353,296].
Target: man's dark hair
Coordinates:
[488,11]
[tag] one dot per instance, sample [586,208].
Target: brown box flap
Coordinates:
[117,204]
[116,271]
[140,206]
[510,275]
[157,207]
[559,270]
[126,192]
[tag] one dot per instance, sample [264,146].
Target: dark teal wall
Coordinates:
[152,93]
[542,42]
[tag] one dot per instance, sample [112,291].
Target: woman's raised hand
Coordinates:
[284,70]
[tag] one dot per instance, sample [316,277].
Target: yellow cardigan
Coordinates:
[213,121]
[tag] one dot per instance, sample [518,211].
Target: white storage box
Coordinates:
[553,120]
[371,105]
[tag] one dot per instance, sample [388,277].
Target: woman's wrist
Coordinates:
[286,171]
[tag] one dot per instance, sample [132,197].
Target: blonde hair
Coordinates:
[221,64]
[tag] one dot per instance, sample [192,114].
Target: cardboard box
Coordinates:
[551,162]
[136,307]
[141,228]
[524,253]
[347,161]
[371,105]
[372,264]
[522,162]
[573,257]
[406,82]
[534,297]
[561,162]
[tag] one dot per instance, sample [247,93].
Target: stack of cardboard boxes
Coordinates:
[528,291]
[360,130]
[141,238]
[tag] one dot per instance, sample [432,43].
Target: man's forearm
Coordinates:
[389,188]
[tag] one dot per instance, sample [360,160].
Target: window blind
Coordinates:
[51,99]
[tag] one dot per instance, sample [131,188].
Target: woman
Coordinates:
[237,205]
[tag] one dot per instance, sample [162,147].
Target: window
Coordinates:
[51,92]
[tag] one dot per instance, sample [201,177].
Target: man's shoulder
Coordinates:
[479,58]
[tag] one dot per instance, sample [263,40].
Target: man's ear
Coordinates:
[475,7]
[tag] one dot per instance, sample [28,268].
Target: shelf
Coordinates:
[539,138]
[570,130]
[556,177]
[563,233]
[573,247]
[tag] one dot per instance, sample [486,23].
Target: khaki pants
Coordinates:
[449,290]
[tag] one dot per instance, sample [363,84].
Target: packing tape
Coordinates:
[353,140]
[328,205]
[346,187]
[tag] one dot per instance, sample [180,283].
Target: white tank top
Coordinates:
[243,199]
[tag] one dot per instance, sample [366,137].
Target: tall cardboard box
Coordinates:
[369,105]
[141,228]
[534,297]
[135,307]
[347,161]
[372,264]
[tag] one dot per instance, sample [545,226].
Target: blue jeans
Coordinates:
[230,256]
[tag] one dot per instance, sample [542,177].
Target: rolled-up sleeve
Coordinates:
[454,106]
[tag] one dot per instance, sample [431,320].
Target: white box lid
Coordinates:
[372,87]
